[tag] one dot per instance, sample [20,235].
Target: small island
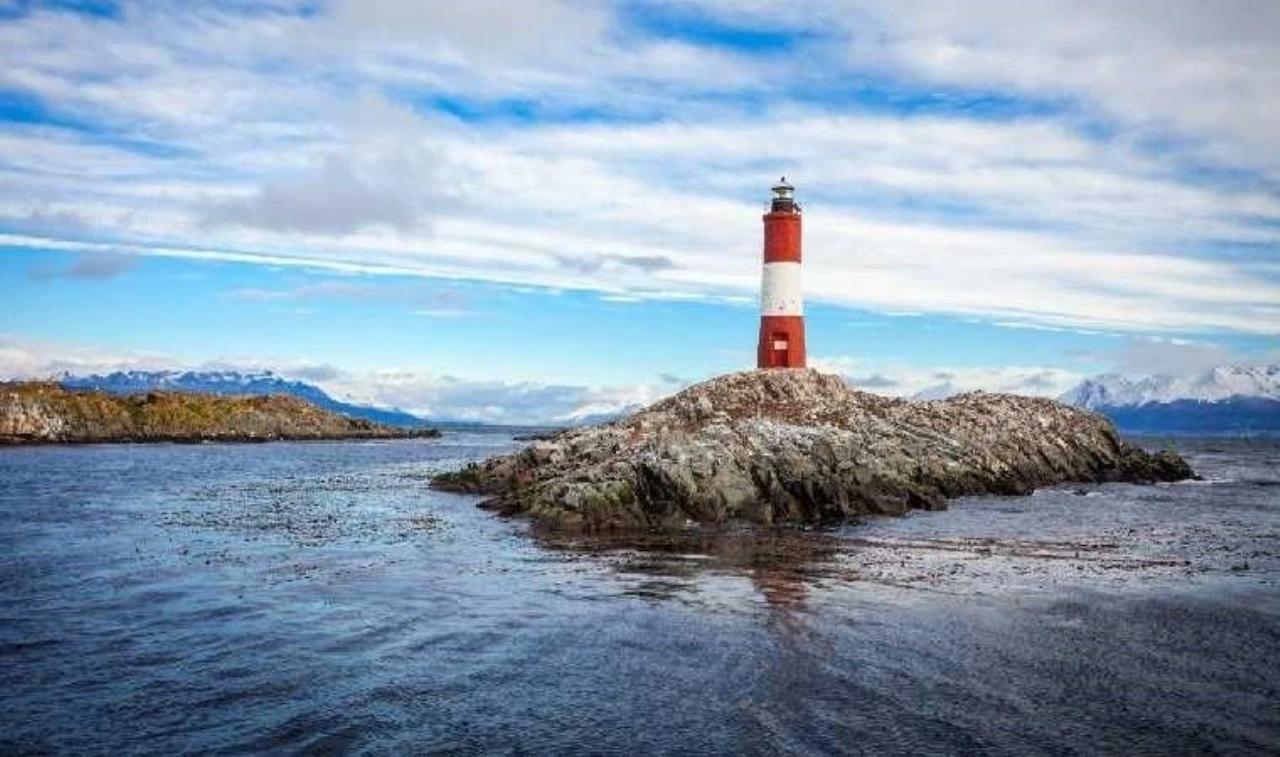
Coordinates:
[799,446]
[42,412]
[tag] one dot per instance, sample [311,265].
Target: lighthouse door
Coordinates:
[780,346]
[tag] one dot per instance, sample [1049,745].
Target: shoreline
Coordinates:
[10,442]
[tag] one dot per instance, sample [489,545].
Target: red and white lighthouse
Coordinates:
[781,300]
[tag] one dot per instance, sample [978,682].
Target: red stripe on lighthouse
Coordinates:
[781,343]
[782,237]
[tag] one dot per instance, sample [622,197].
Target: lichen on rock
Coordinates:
[799,446]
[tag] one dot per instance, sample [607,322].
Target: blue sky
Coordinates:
[537,210]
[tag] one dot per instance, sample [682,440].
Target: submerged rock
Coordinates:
[799,446]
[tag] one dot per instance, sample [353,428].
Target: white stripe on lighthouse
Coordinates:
[780,290]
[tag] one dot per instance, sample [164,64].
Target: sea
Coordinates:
[320,598]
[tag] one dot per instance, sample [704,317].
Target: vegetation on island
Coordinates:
[42,412]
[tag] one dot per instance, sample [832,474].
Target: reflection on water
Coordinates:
[779,562]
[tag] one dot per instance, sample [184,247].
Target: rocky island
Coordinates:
[38,412]
[799,446]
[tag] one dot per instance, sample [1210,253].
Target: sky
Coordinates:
[534,211]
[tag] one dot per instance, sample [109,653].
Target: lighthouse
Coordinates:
[781,302]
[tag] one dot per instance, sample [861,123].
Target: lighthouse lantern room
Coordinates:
[781,343]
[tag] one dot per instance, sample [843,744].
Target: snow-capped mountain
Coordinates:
[936,392]
[1221,383]
[1226,398]
[594,415]
[234,383]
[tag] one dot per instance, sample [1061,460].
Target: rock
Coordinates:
[799,446]
[38,412]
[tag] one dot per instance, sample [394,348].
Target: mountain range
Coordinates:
[1225,399]
[235,383]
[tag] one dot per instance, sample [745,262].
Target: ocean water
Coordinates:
[319,598]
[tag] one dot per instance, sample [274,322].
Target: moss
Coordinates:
[608,506]
[468,480]
[556,517]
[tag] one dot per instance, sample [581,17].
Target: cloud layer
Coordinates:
[418,391]
[1068,163]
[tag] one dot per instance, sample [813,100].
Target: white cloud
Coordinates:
[900,380]
[1202,72]
[1165,356]
[94,267]
[281,138]
[1170,357]
[447,397]
[416,390]
[333,201]
[30,359]
[492,31]
[1206,71]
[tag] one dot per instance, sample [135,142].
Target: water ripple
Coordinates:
[318,597]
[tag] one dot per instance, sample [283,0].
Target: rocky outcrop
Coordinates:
[45,413]
[800,446]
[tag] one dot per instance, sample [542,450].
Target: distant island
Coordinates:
[43,412]
[799,446]
[237,384]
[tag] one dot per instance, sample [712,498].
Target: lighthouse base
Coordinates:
[781,342]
